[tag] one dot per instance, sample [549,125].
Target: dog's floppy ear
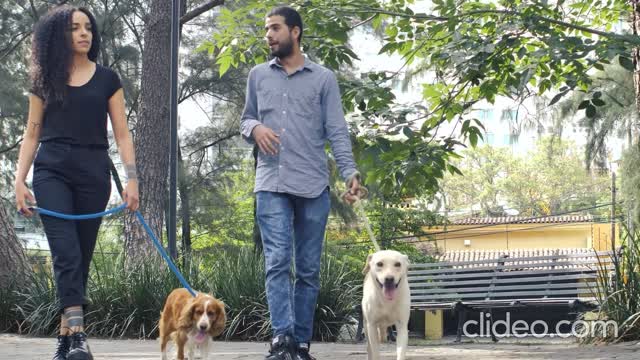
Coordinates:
[366,265]
[186,315]
[221,319]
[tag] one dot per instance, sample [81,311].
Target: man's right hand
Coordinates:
[266,139]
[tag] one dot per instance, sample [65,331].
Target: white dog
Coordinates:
[386,300]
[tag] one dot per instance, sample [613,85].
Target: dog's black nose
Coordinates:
[203,326]
[389,280]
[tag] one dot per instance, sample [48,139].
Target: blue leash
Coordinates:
[156,242]
[78,217]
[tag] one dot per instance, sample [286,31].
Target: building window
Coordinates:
[485,115]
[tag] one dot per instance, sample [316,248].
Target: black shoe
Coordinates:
[282,348]
[62,349]
[303,352]
[79,347]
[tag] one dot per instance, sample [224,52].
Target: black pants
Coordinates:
[73,180]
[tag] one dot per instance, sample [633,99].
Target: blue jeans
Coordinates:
[290,223]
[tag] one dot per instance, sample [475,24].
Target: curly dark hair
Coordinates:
[51,52]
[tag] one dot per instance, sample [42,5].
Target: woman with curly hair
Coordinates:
[70,98]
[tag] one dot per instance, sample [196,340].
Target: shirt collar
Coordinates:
[308,65]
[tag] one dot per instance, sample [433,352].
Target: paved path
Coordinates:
[14,347]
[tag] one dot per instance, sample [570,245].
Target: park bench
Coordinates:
[565,280]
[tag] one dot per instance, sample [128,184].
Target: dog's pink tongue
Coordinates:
[200,336]
[389,292]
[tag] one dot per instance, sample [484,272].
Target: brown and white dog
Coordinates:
[191,322]
[386,301]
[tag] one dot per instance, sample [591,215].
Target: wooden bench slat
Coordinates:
[571,285]
[414,284]
[598,254]
[481,295]
[502,274]
[504,303]
[561,264]
[550,280]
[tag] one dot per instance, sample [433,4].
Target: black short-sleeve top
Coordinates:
[82,120]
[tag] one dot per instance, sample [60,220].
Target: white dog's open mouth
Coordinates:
[389,289]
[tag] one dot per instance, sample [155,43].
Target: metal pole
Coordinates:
[173,142]
[613,211]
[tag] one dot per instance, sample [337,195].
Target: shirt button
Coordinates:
[284,112]
[285,95]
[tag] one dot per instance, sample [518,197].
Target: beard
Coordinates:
[283,49]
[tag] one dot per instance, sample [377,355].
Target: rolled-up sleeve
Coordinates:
[249,119]
[336,127]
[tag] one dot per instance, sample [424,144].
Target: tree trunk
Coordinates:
[257,237]
[183,188]
[185,209]
[152,131]
[635,24]
[633,127]
[14,261]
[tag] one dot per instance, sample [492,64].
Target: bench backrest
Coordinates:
[503,278]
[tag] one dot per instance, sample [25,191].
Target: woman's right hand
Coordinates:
[22,196]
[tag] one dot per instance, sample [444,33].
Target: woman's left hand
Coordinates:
[130,195]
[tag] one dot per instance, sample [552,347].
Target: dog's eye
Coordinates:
[379,264]
[210,313]
[398,264]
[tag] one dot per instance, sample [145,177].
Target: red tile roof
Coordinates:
[524,220]
[512,254]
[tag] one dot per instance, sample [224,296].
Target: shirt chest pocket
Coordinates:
[306,104]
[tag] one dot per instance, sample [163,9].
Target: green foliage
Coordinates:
[10,318]
[630,181]
[485,176]
[619,295]
[548,180]
[222,209]
[471,52]
[127,302]
[394,229]
[553,180]
[613,94]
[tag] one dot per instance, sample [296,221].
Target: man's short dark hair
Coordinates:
[291,18]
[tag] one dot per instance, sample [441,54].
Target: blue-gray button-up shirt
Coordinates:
[305,109]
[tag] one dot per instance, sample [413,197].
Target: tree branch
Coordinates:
[199,11]
[363,22]
[633,39]
[7,149]
[12,47]
[226,137]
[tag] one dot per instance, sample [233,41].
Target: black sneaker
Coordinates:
[303,352]
[62,349]
[79,347]
[282,348]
